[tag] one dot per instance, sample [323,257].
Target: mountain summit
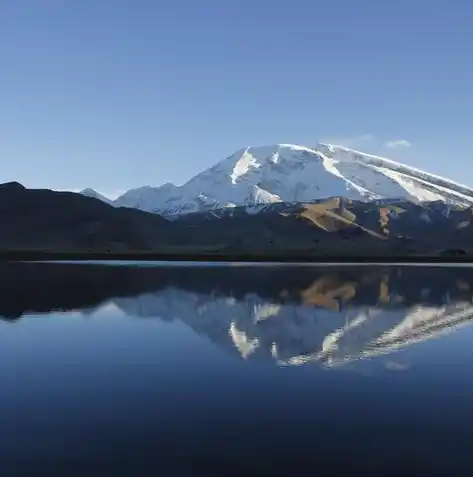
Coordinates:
[261,175]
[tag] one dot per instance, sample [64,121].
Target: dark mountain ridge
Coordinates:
[49,221]
[45,287]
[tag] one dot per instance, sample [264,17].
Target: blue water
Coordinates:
[235,372]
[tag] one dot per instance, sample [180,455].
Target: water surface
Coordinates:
[223,370]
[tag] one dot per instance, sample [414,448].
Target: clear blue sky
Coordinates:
[114,94]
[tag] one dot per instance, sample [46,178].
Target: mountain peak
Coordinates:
[12,185]
[292,173]
[88,192]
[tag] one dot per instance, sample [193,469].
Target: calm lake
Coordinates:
[235,370]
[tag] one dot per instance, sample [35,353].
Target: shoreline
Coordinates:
[291,258]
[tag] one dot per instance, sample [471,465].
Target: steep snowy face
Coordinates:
[366,169]
[260,175]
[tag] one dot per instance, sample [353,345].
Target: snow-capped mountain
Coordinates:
[260,175]
[293,334]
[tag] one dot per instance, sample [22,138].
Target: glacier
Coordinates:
[259,175]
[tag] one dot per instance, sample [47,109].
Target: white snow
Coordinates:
[259,175]
[400,172]
[243,165]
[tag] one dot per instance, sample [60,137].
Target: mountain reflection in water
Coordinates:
[329,316]
[198,371]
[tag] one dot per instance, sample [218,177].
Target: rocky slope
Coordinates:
[338,225]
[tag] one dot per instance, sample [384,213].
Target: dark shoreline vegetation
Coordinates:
[447,256]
